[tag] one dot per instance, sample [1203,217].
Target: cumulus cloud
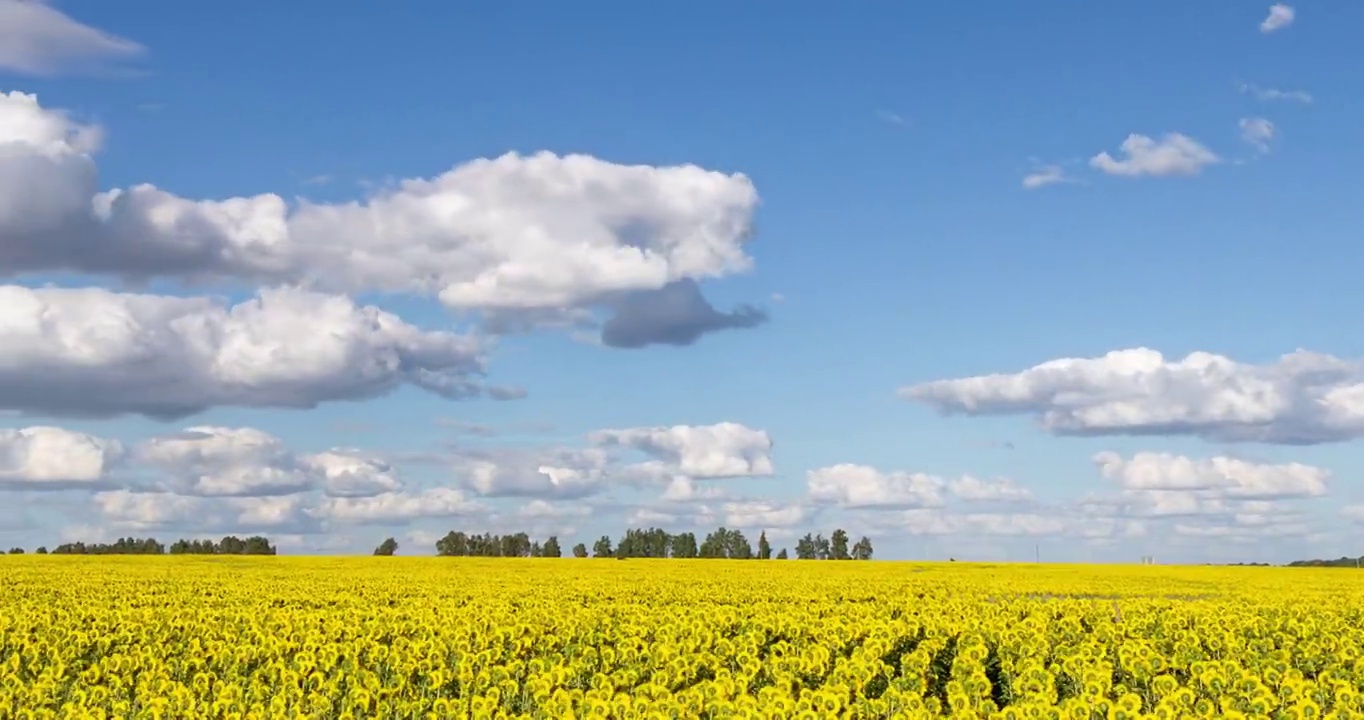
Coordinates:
[928,521]
[162,510]
[396,508]
[1303,398]
[1257,132]
[1174,154]
[38,39]
[210,461]
[346,472]
[682,489]
[96,353]
[246,462]
[722,450]
[1280,16]
[762,515]
[860,486]
[676,314]
[553,472]
[538,237]
[973,489]
[47,458]
[1218,476]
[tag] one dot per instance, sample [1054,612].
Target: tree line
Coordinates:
[229,545]
[722,542]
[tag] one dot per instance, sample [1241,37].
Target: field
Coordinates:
[187,637]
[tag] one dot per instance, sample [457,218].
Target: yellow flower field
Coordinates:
[279,637]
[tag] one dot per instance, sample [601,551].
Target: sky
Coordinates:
[1071,281]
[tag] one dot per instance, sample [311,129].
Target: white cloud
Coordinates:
[682,489]
[1220,476]
[1280,16]
[1174,154]
[762,515]
[38,39]
[1303,398]
[246,462]
[558,472]
[1257,132]
[397,507]
[1272,94]
[926,521]
[974,489]
[96,353]
[860,486]
[226,461]
[1045,175]
[149,511]
[41,457]
[524,239]
[347,472]
[722,450]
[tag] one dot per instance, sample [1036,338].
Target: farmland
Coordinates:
[224,637]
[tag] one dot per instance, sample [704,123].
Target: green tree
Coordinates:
[805,548]
[602,547]
[684,546]
[821,547]
[551,548]
[764,547]
[16,551]
[580,551]
[862,550]
[838,545]
[782,555]
[257,545]
[42,550]
[726,543]
[387,548]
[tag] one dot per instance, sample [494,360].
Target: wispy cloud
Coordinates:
[323,179]
[38,39]
[891,118]
[1274,94]
[1045,175]
[1280,16]
[1257,132]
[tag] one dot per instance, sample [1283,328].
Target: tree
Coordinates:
[231,545]
[551,548]
[257,545]
[862,549]
[838,545]
[387,548]
[42,550]
[805,548]
[764,547]
[602,547]
[454,544]
[821,547]
[726,543]
[580,551]
[782,555]
[684,546]
[16,551]
[651,543]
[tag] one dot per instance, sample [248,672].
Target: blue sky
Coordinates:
[895,243]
